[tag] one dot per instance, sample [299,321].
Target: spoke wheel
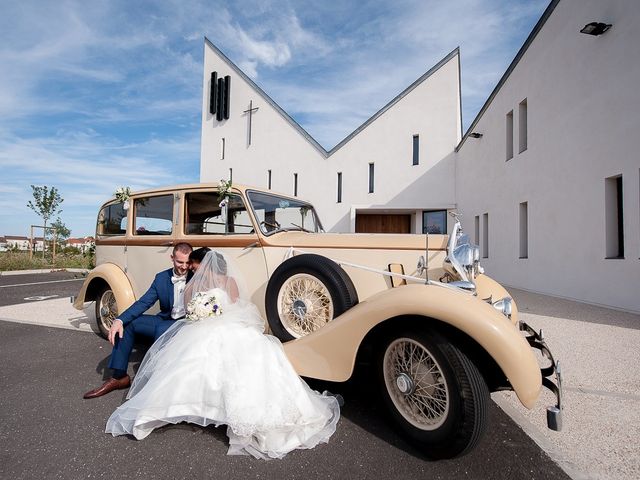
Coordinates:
[416,384]
[106,310]
[434,393]
[304,305]
[306,292]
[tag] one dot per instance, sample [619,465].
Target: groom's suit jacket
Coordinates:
[161,290]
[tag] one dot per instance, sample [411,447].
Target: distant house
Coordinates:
[22,243]
[82,244]
[19,242]
[3,244]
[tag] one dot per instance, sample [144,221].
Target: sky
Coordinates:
[95,95]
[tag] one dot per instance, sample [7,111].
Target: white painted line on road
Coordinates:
[42,283]
[38,298]
[57,312]
[81,328]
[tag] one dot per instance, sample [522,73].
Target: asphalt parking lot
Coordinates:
[47,430]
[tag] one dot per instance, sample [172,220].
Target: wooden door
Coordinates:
[375,223]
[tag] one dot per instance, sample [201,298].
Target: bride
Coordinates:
[218,367]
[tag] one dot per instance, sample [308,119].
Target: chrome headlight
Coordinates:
[464,254]
[504,306]
[464,260]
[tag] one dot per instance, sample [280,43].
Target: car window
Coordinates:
[275,213]
[112,220]
[205,216]
[153,215]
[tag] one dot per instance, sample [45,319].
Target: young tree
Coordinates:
[61,231]
[46,203]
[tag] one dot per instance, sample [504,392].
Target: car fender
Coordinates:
[488,288]
[330,353]
[115,278]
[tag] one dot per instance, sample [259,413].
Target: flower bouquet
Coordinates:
[122,194]
[223,191]
[203,305]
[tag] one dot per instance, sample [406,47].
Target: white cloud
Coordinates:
[96,97]
[271,54]
[86,169]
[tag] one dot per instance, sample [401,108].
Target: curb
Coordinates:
[44,270]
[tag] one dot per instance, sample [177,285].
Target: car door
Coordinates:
[230,230]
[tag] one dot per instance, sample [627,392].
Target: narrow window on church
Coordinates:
[522,126]
[510,135]
[231,175]
[524,230]
[477,230]
[269,179]
[339,187]
[371,184]
[222,145]
[295,184]
[485,235]
[614,217]
[416,149]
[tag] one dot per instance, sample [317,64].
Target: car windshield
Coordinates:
[276,213]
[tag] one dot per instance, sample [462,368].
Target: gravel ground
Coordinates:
[598,351]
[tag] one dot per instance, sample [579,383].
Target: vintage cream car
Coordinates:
[439,333]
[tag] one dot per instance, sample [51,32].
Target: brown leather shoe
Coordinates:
[109,386]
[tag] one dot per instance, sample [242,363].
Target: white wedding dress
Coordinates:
[224,370]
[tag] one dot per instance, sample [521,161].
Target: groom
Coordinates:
[168,289]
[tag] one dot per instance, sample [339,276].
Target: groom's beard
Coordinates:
[177,273]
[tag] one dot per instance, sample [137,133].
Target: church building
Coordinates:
[547,177]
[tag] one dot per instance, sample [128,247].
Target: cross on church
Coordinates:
[250,112]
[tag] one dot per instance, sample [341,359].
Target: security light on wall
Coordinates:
[475,135]
[595,28]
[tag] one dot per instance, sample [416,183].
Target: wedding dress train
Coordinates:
[224,370]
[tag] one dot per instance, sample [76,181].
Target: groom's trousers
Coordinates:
[151,326]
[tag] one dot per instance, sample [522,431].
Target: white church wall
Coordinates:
[581,94]
[431,111]
[430,108]
[275,144]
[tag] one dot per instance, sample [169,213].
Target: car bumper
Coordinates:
[536,341]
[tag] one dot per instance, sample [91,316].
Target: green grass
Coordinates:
[21,261]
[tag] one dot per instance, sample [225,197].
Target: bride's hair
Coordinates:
[213,272]
[198,254]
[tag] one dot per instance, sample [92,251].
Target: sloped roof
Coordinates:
[306,134]
[525,46]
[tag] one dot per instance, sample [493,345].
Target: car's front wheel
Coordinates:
[106,310]
[433,391]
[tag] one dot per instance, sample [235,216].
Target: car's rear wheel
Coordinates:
[434,393]
[106,310]
[305,293]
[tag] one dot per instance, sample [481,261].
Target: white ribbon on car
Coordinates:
[293,251]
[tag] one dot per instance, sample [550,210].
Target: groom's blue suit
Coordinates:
[135,323]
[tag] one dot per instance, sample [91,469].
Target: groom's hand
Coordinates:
[116,329]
